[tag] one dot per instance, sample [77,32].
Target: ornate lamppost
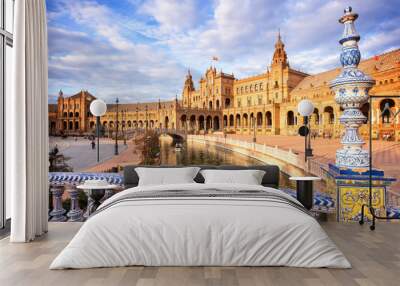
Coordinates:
[137,118]
[147,121]
[123,125]
[306,108]
[116,128]
[254,130]
[98,108]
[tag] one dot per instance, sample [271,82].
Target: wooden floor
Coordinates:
[375,257]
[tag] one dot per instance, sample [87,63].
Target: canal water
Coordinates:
[195,153]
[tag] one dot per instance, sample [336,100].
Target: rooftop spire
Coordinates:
[280,56]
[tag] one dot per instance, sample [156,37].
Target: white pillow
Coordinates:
[248,177]
[166,176]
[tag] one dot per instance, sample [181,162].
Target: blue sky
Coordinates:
[140,50]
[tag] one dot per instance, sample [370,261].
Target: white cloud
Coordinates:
[172,15]
[99,18]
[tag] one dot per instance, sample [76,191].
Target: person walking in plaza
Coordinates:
[93,145]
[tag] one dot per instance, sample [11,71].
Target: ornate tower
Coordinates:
[280,56]
[279,73]
[351,89]
[188,88]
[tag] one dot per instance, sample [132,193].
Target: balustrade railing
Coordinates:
[62,186]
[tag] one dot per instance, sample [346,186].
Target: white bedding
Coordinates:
[200,231]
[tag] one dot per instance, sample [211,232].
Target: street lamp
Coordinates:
[147,121]
[124,125]
[306,108]
[98,108]
[116,129]
[254,130]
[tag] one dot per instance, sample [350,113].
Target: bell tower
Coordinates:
[279,72]
[188,88]
[280,56]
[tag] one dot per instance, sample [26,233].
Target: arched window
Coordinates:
[385,107]
[238,120]
[316,116]
[259,119]
[227,102]
[290,118]
[329,110]
[268,117]
[216,123]
[231,120]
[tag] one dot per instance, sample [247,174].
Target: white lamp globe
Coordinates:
[305,107]
[98,107]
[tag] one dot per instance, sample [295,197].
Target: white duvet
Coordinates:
[200,231]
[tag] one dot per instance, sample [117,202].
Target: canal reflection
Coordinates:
[195,153]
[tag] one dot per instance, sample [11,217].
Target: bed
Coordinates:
[197,224]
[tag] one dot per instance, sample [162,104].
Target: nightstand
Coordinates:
[304,190]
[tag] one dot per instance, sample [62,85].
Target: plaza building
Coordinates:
[261,104]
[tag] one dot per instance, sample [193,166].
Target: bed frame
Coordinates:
[270,179]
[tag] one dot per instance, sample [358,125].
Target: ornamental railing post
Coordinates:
[57,213]
[75,212]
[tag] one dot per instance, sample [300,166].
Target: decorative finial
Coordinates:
[348,10]
[60,93]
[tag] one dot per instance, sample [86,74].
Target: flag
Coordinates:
[214,58]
